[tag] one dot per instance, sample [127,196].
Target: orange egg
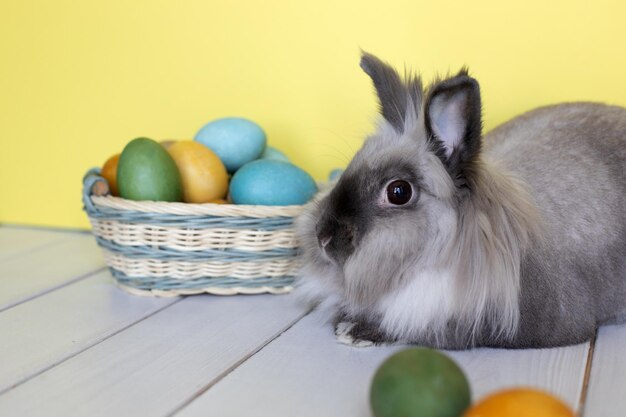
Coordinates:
[219,201]
[109,172]
[202,173]
[520,402]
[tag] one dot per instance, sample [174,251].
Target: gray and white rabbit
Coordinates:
[437,236]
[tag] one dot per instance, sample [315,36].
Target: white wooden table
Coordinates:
[73,344]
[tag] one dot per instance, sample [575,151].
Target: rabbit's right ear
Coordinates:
[392,92]
[453,118]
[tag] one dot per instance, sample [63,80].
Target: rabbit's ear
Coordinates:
[453,118]
[392,92]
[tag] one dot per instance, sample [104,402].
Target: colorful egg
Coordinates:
[202,173]
[234,140]
[147,172]
[273,153]
[335,174]
[272,183]
[520,402]
[419,382]
[167,143]
[109,173]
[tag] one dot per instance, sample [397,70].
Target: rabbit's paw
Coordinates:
[343,332]
[358,334]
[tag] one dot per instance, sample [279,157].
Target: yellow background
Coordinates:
[79,79]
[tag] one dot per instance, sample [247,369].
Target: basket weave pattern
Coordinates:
[169,249]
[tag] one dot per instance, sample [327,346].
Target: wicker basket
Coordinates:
[168,249]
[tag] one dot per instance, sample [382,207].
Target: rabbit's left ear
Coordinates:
[392,92]
[453,119]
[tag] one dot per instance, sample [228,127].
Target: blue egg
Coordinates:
[234,140]
[273,153]
[335,174]
[271,183]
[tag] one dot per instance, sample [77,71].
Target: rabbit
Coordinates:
[436,236]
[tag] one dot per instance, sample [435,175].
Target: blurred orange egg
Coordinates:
[202,173]
[520,402]
[219,201]
[109,173]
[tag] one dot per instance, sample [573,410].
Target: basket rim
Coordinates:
[178,208]
[211,209]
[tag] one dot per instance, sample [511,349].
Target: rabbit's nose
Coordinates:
[324,240]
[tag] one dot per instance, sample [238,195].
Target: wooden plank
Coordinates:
[16,241]
[607,382]
[560,371]
[52,266]
[47,330]
[305,372]
[160,363]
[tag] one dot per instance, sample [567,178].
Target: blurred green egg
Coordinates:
[419,382]
[146,171]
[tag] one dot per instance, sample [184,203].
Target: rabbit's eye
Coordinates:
[399,192]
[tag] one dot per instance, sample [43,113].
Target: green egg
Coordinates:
[146,171]
[419,382]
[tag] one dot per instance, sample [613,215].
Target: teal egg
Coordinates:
[273,153]
[236,141]
[335,174]
[272,183]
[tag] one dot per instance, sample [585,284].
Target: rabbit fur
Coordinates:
[516,239]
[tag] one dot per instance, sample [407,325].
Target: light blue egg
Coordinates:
[335,174]
[271,183]
[234,140]
[273,153]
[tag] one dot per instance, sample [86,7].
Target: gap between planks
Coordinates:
[52,288]
[585,388]
[237,364]
[35,248]
[96,342]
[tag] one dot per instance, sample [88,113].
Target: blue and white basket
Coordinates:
[168,249]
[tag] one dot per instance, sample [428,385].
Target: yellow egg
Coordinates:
[202,173]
